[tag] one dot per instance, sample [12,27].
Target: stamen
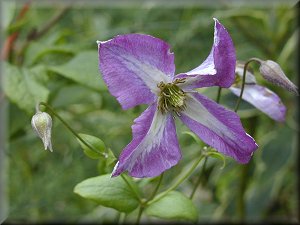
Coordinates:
[171,97]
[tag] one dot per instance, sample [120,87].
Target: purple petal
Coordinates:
[219,67]
[263,99]
[218,127]
[154,147]
[132,65]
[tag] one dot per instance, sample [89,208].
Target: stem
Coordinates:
[138,219]
[174,186]
[241,191]
[9,42]
[121,218]
[244,177]
[199,179]
[143,204]
[35,34]
[243,82]
[132,188]
[219,95]
[70,129]
[156,188]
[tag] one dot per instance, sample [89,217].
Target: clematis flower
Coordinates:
[139,69]
[260,97]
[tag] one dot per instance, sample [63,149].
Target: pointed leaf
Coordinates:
[173,206]
[37,50]
[109,192]
[83,69]
[20,85]
[95,142]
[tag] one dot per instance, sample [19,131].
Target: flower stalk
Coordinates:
[143,204]
[243,82]
[179,181]
[199,179]
[219,95]
[137,195]
[69,128]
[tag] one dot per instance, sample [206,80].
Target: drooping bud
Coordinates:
[273,73]
[41,123]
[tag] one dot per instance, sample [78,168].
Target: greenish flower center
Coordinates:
[171,97]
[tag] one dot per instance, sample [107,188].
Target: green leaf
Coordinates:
[37,50]
[21,86]
[174,205]
[76,94]
[109,192]
[83,69]
[95,142]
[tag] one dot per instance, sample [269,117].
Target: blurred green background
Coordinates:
[61,67]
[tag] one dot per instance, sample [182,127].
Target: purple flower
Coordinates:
[260,97]
[139,69]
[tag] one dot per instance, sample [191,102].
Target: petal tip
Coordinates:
[116,171]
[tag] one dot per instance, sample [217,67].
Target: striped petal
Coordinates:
[154,147]
[132,65]
[219,67]
[263,99]
[218,127]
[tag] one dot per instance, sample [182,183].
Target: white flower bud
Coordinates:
[272,72]
[41,122]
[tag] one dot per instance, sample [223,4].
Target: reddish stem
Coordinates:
[9,42]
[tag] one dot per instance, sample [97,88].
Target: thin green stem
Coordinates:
[199,179]
[118,217]
[244,81]
[143,204]
[219,95]
[137,195]
[183,178]
[156,188]
[34,34]
[141,210]
[244,176]
[70,128]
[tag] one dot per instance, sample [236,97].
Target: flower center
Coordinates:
[171,97]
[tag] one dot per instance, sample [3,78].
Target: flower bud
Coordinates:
[41,122]
[273,73]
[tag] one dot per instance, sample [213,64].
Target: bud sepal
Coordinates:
[41,123]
